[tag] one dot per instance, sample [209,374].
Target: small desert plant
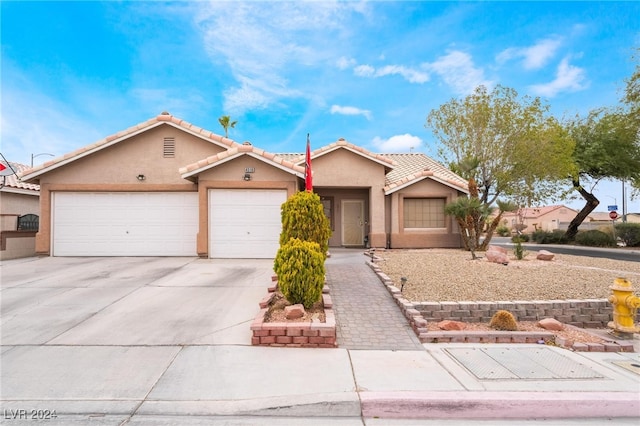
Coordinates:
[595,238]
[503,320]
[299,266]
[518,250]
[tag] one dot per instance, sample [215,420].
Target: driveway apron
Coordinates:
[366,314]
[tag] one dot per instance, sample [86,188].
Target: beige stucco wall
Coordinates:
[405,238]
[16,244]
[345,169]
[13,205]
[546,222]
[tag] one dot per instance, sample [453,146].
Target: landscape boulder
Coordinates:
[449,325]
[545,255]
[294,311]
[497,255]
[551,324]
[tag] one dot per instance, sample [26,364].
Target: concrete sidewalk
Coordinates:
[97,370]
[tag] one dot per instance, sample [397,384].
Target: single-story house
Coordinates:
[19,211]
[168,188]
[544,218]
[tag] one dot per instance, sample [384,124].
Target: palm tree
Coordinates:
[226,123]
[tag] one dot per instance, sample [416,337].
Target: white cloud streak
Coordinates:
[569,78]
[409,74]
[459,72]
[349,110]
[533,57]
[397,143]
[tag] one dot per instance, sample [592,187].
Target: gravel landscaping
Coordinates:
[451,275]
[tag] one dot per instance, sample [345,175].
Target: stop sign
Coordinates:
[613,215]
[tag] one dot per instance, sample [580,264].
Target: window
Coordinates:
[28,222]
[327,206]
[424,213]
[169,148]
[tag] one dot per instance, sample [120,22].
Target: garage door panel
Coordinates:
[244,223]
[125,224]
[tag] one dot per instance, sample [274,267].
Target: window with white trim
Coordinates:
[424,213]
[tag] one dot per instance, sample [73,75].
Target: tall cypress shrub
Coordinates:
[303,218]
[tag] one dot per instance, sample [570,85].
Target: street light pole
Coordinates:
[38,155]
[624,204]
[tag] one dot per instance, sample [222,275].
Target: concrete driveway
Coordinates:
[130,301]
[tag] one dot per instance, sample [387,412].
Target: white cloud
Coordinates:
[459,72]
[569,78]
[343,63]
[534,57]
[397,143]
[349,110]
[260,43]
[409,74]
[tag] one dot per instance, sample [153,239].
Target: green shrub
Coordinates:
[518,250]
[503,231]
[629,233]
[522,238]
[545,237]
[299,266]
[303,218]
[594,238]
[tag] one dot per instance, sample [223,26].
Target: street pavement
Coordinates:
[163,341]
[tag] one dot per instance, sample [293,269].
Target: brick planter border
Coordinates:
[595,313]
[295,334]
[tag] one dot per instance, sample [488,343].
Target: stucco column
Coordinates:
[377,234]
[43,237]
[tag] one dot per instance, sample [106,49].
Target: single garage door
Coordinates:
[245,223]
[124,223]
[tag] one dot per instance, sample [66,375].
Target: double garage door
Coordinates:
[242,223]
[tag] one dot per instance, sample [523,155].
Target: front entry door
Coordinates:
[352,222]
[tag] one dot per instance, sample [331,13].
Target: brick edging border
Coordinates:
[294,334]
[418,322]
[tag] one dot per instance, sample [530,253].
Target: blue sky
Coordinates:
[370,72]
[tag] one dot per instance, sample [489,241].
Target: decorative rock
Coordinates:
[498,249]
[551,324]
[294,311]
[497,256]
[545,255]
[449,325]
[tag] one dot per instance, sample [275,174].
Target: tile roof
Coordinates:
[412,168]
[163,118]
[403,169]
[245,149]
[14,182]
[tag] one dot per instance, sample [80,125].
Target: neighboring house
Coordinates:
[168,188]
[19,211]
[546,218]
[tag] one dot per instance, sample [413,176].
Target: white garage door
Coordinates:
[124,224]
[245,223]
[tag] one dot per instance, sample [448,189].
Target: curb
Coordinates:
[503,405]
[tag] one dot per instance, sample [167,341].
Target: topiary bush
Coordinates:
[303,218]
[299,266]
[504,320]
[629,233]
[594,238]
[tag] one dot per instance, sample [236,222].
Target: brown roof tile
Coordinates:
[14,181]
